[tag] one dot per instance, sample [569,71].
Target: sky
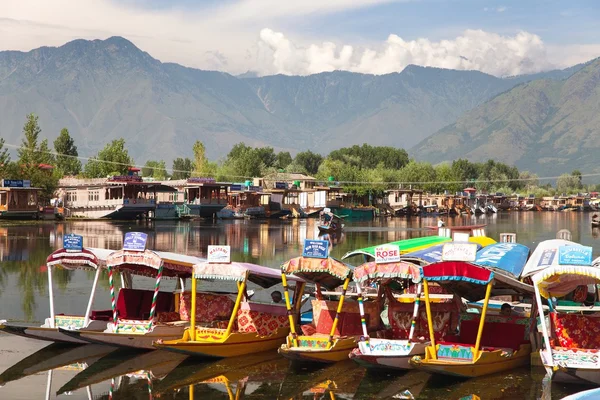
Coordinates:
[291,37]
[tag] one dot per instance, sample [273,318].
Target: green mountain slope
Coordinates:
[545,126]
[105,89]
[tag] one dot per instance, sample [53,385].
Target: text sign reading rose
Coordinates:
[387,254]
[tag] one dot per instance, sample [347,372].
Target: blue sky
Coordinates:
[308,36]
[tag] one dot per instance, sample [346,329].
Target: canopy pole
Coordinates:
[111,283]
[91,301]
[361,308]
[337,313]
[49,384]
[488,292]
[191,392]
[155,297]
[236,307]
[413,322]
[51,298]
[193,316]
[429,320]
[540,307]
[288,307]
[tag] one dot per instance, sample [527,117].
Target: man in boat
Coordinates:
[440,223]
[276,296]
[505,309]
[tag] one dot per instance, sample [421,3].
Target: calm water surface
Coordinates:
[130,375]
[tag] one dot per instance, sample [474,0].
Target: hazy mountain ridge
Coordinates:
[105,89]
[546,126]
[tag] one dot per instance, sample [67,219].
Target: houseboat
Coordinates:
[205,197]
[18,200]
[118,197]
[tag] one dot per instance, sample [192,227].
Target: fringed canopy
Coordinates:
[327,272]
[372,271]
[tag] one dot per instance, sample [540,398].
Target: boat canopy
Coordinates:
[558,281]
[238,271]
[147,263]
[327,272]
[469,280]
[394,270]
[428,255]
[84,258]
[406,246]
[507,258]
[545,255]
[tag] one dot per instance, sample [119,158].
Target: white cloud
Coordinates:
[473,50]
[232,37]
[501,9]
[496,9]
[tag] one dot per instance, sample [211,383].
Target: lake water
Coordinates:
[23,297]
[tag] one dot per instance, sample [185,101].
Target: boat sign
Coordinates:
[459,252]
[72,242]
[219,254]
[387,254]
[135,241]
[315,248]
[575,255]
[16,183]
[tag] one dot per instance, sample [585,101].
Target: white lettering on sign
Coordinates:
[496,252]
[387,254]
[219,254]
[459,252]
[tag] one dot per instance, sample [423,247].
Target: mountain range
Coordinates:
[546,126]
[106,89]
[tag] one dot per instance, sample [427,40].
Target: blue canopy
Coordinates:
[427,256]
[505,258]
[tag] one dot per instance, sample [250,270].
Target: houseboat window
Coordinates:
[32,199]
[3,198]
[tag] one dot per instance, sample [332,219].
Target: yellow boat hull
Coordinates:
[339,351]
[488,362]
[236,344]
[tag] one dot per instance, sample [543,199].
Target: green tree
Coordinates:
[444,174]
[309,161]
[577,174]
[155,169]
[113,159]
[4,161]
[182,168]
[202,167]
[67,162]
[367,156]
[418,174]
[283,159]
[567,183]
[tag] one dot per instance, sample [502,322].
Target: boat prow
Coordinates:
[39,333]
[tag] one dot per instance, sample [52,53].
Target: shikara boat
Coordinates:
[336,324]
[545,255]
[227,329]
[571,339]
[486,343]
[139,317]
[329,222]
[408,335]
[69,259]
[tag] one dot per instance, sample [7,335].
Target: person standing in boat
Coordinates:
[441,223]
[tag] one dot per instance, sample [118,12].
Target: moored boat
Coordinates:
[70,257]
[570,338]
[329,222]
[242,327]
[408,334]
[336,324]
[485,343]
[140,316]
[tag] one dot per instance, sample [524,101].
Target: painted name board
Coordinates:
[255,188]
[315,248]
[575,255]
[459,252]
[281,185]
[135,241]
[72,242]
[16,183]
[387,254]
[219,254]
[235,188]
[547,258]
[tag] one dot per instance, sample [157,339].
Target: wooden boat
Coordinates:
[408,336]
[140,317]
[590,394]
[570,339]
[332,335]
[329,222]
[75,257]
[595,223]
[249,327]
[486,343]
[18,200]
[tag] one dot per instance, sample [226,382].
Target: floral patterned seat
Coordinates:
[209,307]
[445,317]
[264,319]
[574,331]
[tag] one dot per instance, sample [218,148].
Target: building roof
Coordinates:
[289,176]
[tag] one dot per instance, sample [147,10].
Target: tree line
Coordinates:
[360,169]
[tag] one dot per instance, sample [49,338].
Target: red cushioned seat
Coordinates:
[495,334]
[128,303]
[101,315]
[351,324]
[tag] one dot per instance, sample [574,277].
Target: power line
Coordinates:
[466,181]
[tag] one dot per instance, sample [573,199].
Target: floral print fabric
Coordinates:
[209,307]
[575,331]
